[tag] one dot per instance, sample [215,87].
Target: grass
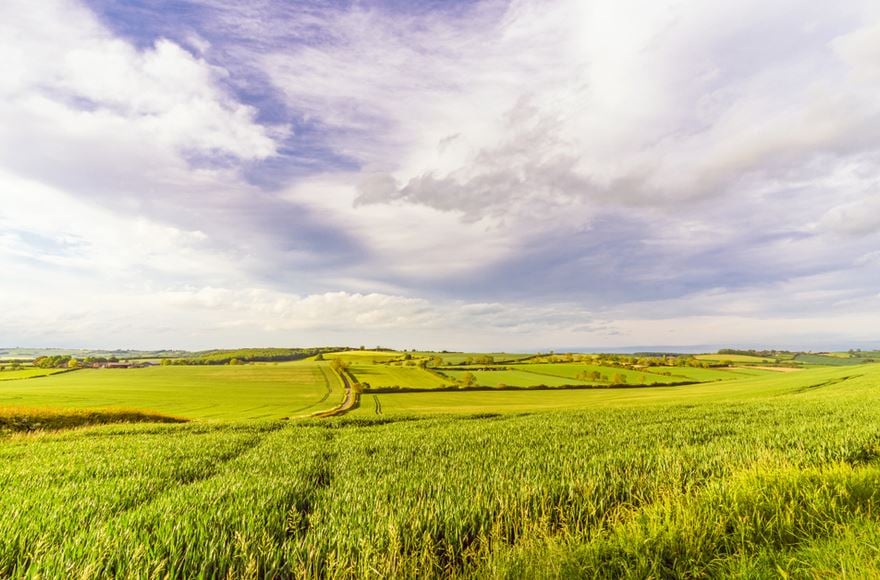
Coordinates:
[826,359]
[28,373]
[572,370]
[513,378]
[735,358]
[383,376]
[457,358]
[199,392]
[776,474]
[364,356]
[756,478]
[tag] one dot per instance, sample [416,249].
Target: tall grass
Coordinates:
[788,484]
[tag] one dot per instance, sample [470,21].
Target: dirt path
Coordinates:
[351,400]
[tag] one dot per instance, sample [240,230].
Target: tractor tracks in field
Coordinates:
[827,383]
[351,400]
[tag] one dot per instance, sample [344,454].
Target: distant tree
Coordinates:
[468,380]
[320,356]
[436,361]
[595,375]
[618,379]
[235,361]
[407,356]
[72,364]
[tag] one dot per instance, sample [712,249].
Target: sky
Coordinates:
[480,175]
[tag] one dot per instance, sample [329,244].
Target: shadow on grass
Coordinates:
[24,419]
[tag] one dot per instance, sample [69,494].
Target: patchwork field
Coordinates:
[760,474]
[759,477]
[195,392]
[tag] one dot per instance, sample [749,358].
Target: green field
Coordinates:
[826,359]
[572,370]
[201,392]
[28,373]
[513,378]
[364,356]
[457,358]
[383,376]
[763,474]
[734,358]
[760,477]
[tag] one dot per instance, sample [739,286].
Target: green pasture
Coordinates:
[572,370]
[396,376]
[465,401]
[513,378]
[27,373]
[457,358]
[196,392]
[364,356]
[764,477]
[734,358]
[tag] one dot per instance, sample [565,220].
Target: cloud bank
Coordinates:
[515,173]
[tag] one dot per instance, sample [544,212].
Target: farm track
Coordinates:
[351,400]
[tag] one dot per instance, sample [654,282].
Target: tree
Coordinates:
[320,356]
[467,380]
[72,364]
[235,361]
[618,379]
[595,375]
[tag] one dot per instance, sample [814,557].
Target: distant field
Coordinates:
[720,374]
[457,358]
[770,384]
[514,378]
[28,373]
[572,370]
[831,360]
[364,356]
[396,376]
[736,358]
[203,392]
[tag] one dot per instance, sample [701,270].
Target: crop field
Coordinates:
[513,378]
[719,374]
[201,392]
[572,370]
[396,376]
[763,474]
[760,477]
[734,358]
[457,358]
[826,359]
[364,356]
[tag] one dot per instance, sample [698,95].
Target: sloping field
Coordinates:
[204,392]
[379,376]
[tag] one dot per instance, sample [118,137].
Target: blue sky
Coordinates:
[519,174]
